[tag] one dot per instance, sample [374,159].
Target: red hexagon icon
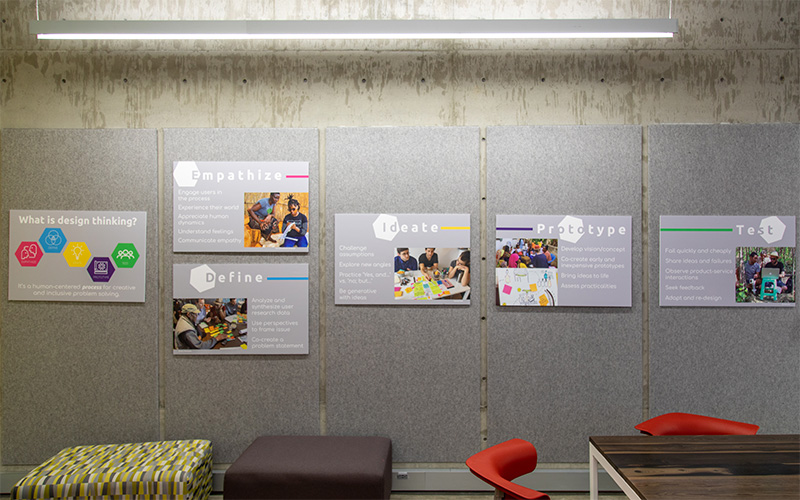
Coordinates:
[29,254]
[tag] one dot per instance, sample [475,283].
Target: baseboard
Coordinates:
[463,480]
[432,480]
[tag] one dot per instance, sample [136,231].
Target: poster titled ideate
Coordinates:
[563,260]
[227,206]
[727,261]
[240,308]
[77,256]
[402,259]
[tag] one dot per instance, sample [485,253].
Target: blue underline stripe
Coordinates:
[515,229]
[284,279]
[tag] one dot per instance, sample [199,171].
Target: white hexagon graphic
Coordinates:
[186,173]
[385,227]
[772,229]
[202,278]
[570,229]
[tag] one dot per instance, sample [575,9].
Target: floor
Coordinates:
[465,496]
[479,496]
[489,496]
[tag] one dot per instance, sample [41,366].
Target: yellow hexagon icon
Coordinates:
[77,254]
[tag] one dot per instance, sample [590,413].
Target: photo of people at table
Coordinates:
[765,274]
[276,220]
[526,252]
[209,323]
[429,273]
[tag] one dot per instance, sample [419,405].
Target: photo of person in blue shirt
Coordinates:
[403,261]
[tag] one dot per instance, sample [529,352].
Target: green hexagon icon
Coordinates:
[125,255]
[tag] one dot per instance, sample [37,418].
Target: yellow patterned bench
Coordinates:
[179,470]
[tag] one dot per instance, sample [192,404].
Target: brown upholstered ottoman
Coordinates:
[308,467]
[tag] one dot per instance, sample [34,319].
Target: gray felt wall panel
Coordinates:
[559,375]
[231,400]
[736,363]
[411,373]
[78,373]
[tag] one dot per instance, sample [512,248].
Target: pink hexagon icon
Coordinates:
[29,254]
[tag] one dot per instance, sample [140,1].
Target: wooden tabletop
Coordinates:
[706,467]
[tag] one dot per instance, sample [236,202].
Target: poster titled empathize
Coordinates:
[81,256]
[240,309]
[403,259]
[736,261]
[240,206]
[563,260]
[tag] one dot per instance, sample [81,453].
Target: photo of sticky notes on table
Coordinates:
[533,287]
[507,289]
[418,291]
[398,293]
[543,300]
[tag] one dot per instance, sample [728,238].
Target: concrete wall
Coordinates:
[733,61]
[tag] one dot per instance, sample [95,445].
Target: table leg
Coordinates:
[593,488]
[595,458]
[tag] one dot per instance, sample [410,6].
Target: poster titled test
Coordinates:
[403,259]
[230,206]
[563,260]
[82,256]
[727,261]
[232,309]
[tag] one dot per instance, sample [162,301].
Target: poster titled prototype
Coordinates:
[81,256]
[563,260]
[240,309]
[229,206]
[715,261]
[403,259]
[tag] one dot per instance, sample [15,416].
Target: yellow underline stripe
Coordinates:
[454,227]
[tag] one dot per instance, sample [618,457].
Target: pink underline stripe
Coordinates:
[297,177]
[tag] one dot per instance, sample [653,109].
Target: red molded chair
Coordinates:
[498,465]
[688,424]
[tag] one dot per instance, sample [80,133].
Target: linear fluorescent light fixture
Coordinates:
[355,30]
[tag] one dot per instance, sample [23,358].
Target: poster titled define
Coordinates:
[81,256]
[238,206]
[240,309]
[563,260]
[403,259]
[727,261]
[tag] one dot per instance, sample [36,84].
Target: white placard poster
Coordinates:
[80,256]
[240,309]
[240,206]
[727,261]
[403,259]
[563,260]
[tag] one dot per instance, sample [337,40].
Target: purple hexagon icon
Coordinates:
[28,254]
[100,269]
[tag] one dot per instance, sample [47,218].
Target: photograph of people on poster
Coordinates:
[429,273]
[526,271]
[526,252]
[209,323]
[275,220]
[765,274]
